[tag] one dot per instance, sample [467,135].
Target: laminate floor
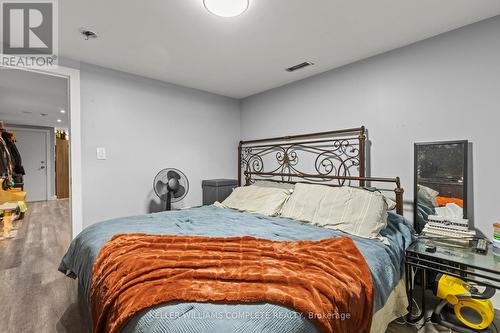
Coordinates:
[35,297]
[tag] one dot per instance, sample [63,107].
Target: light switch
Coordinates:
[101,153]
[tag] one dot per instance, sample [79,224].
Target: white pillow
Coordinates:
[267,183]
[391,204]
[355,211]
[427,195]
[305,201]
[256,199]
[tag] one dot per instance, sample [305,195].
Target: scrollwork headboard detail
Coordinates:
[334,153]
[334,158]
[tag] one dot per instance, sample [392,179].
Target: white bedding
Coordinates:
[450,211]
[395,307]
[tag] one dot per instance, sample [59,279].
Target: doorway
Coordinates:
[34,145]
[34,107]
[73,127]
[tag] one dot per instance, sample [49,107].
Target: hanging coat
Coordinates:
[5,164]
[14,153]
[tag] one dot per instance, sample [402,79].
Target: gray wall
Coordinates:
[145,126]
[444,88]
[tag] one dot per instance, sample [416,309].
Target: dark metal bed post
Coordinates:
[399,197]
[362,166]
[239,163]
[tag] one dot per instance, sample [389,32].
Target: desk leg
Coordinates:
[6,224]
[410,289]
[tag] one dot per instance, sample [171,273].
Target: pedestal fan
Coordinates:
[170,185]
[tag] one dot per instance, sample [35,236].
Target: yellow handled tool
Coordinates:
[472,310]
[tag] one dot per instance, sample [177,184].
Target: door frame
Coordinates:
[72,76]
[48,144]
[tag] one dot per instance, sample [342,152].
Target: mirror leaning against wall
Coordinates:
[441,183]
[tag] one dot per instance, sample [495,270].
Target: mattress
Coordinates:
[385,263]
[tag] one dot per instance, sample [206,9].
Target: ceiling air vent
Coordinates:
[299,66]
[88,34]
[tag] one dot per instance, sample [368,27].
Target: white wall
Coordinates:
[444,88]
[145,126]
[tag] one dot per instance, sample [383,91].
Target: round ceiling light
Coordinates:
[226,8]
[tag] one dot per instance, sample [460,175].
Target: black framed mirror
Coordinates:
[441,180]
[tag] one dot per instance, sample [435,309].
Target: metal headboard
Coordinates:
[334,158]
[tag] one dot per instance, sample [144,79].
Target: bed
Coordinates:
[334,158]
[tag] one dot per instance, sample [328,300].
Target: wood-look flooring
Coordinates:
[36,297]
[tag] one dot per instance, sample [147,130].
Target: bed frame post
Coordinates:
[399,197]
[239,163]
[362,166]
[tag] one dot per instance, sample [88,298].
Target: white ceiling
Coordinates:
[25,96]
[179,41]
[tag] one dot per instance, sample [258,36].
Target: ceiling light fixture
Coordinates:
[59,120]
[226,8]
[63,111]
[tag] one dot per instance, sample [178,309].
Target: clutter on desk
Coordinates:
[496,241]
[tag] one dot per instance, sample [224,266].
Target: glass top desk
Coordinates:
[461,262]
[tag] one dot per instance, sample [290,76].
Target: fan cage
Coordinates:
[162,176]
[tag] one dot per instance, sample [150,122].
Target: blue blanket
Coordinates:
[384,261]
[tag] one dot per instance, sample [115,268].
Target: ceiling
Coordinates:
[26,96]
[179,41]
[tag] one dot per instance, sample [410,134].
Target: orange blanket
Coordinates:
[443,201]
[320,279]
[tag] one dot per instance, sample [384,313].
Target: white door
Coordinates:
[32,146]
